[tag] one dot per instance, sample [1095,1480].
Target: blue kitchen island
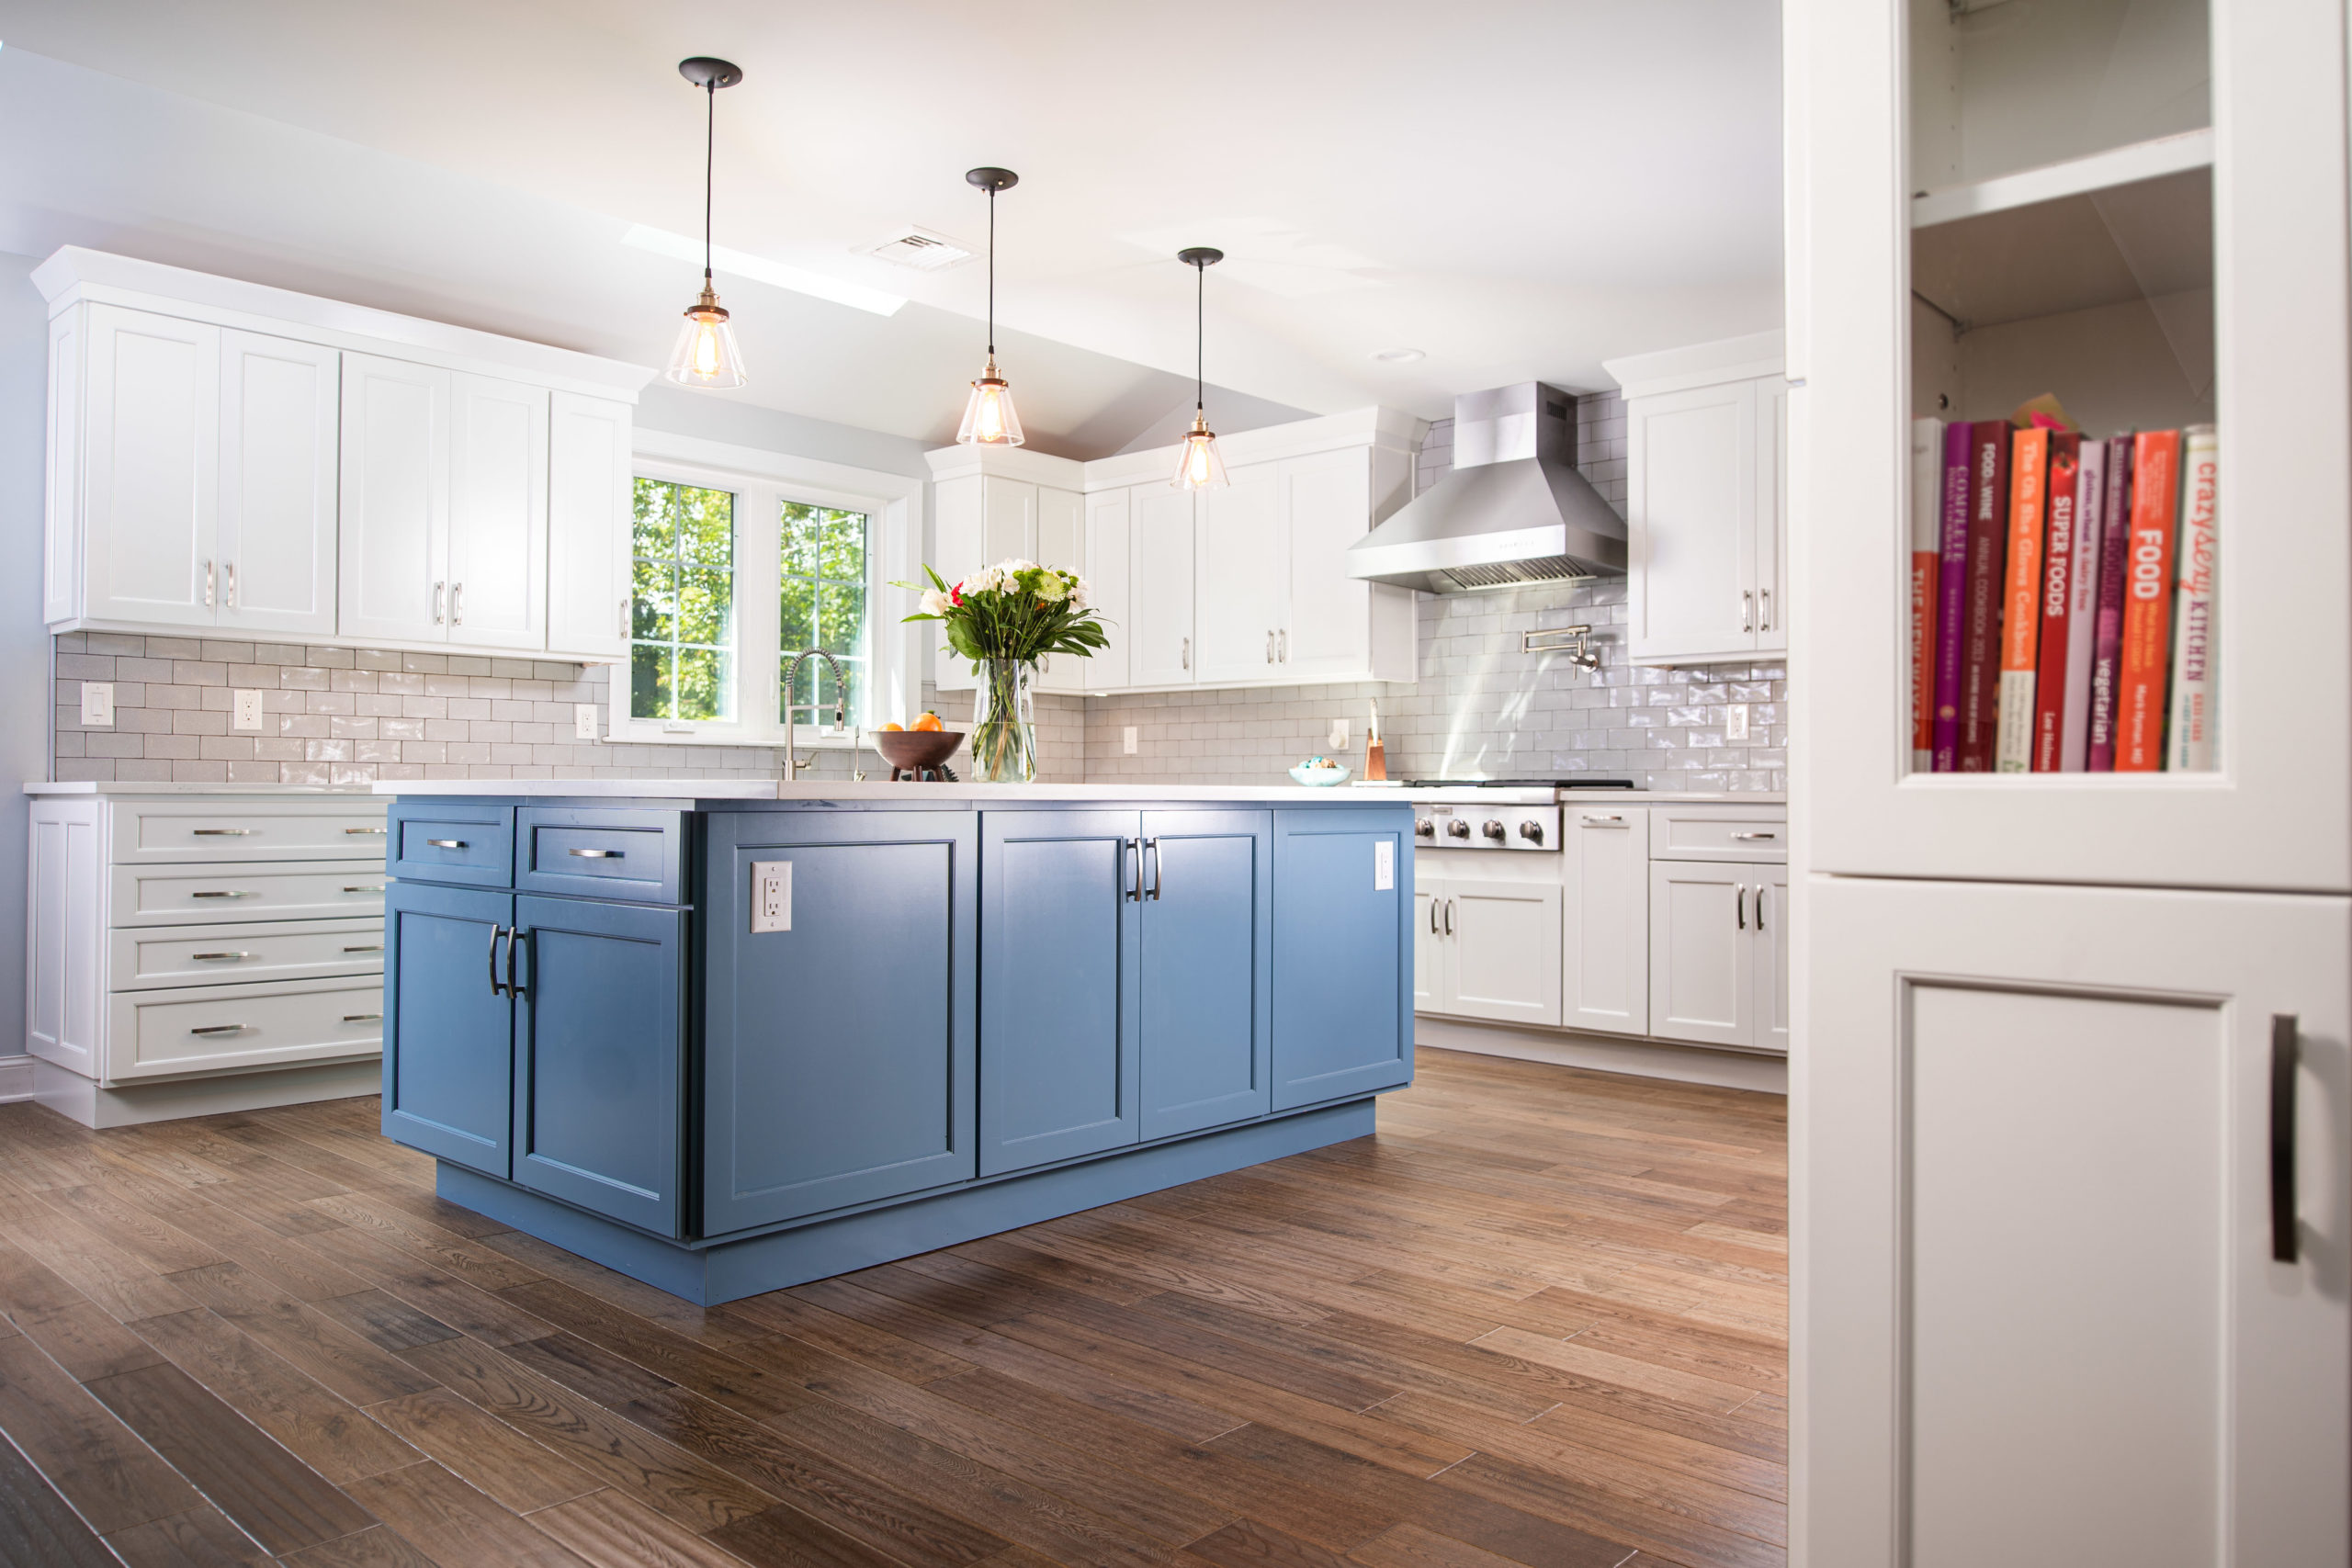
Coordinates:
[730,1036]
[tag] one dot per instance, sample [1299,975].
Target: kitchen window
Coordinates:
[742,558]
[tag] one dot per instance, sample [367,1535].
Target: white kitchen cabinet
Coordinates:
[149,469]
[982,517]
[1488,948]
[1061,541]
[1160,655]
[1703,953]
[496,551]
[1769,908]
[280,416]
[2039,1228]
[1605,918]
[588,517]
[1109,571]
[1428,939]
[1240,603]
[395,493]
[1336,627]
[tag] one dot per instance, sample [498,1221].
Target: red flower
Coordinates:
[956,594]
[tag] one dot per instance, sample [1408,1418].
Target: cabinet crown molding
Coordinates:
[73,275]
[1700,364]
[1007,462]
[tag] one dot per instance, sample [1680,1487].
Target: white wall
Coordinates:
[24,641]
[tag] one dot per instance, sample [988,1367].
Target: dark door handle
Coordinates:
[2285,1058]
[514,940]
[1159,865]
[1134,848]
[496,988]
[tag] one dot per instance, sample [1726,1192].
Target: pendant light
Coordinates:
[707,354]
[988,418]
[1198,467]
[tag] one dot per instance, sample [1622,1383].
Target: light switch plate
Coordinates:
[245,713]
[583,721]
[1127,740]
[1339,740]
[1735,722]
[1384,866]
[97,703]
[771,895]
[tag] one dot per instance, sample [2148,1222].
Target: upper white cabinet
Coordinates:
[1238,604]
[1706,500]
[1110,545]
[1159,586]
[225,456]
[1012,505]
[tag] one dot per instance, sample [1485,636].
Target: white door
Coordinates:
[1703,983]
[392,565]
[1008,520]
[1428,943]
[1326,632]
[151,468]
[1771,514]
[1242,572]
[1109,541]
[498,513]
[588,487]
[1504,938]
[2036,1200]
[1767,912]
[1690,520]
[1605,919]
[1162,652]
[280,406]
[1062,542]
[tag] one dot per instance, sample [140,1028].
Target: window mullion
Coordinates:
[756,633]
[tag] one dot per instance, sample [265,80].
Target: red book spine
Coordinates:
[1979,632]
[2050,714]
[2147,604]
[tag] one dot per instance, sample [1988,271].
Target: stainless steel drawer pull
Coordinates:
[218,957]
[221,833]
[447,843]
[374,947]
[1604,821]
[599,855]
[241,894]
[368,833]
[218,1029]
[363,1018]
[1756,838]
[378,887]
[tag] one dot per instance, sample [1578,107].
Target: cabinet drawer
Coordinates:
[1720,835]
[155,957]
[471,845]
[217,894]
[173,831]
[221,1028]
[631,855]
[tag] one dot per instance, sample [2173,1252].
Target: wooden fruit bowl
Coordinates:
[910,750]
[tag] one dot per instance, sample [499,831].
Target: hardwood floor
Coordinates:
[1540,1319]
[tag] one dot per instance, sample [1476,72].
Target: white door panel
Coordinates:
[1110,541]
[1691,518]
[588,487]
[1505,961]
[392,565]
[1702,975]
[1163,653]
[280,402]
[151,468]
[1605,922]
[1242,576]
[1326,630]
[498,513]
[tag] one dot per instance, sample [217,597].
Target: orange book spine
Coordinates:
[2022,601]
[2146,654]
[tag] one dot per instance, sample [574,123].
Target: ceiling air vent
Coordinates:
[921,249]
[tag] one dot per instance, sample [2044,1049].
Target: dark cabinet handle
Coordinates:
[496,988]
[2285,1058]
[514,940]
[1739,904]
[1159,864]
[1133,848]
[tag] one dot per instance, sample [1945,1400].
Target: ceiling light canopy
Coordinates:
[706,354]
[1198,465]
[989,416]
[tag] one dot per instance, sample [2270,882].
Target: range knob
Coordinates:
[1532,831]
[1458,827]
[1424,828]
[1493,830]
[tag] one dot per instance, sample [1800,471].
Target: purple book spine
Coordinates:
[1951,589]
[2114,550]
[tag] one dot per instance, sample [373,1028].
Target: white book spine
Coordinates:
[1926,537]
[2013,740]
[2194,726]
[2082,606]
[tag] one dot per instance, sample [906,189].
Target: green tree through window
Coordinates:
[821,604]
[682,612]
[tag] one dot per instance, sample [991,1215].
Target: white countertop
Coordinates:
[104,786]
[873,789]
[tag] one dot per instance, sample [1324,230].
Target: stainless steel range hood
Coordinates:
[1513,512]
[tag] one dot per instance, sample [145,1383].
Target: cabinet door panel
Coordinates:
[1163,653]
[449,1038]
[1207,936]
[1327,627]
[1771,515]
[1109,543]
[960,544]
[1702,960]
[498,513]
[151,468]
[1505,950]
[1008,520]
[588,525]
[1430,990]
[1062,542]
[599,1058]
[1769,906]
[1691,518]
[280,403]
[1605,919]
[2040,1212]
[391,566]
[1058,987]
[1344,953]
[838,1054]
[1241,589]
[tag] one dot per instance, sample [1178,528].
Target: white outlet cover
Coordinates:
[1735,722]
[1384,866]
[1127,740]
[583,721]
[771,895]
[246,708]
[1339,740]
[97,703]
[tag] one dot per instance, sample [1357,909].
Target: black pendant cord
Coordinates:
[1200,335]
[709,153]
[991,273]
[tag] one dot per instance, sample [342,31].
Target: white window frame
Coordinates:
[761,481]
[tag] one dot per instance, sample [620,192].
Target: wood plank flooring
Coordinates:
[1540,1319]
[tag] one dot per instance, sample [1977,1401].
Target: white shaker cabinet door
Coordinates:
[1242,576]
[152,445]
[1110,539]
[2050,1321]
[1703,983]
[1768,908]
[1430,991]
[1163,653]
[1504,938]
[1691,521]
[588,526]
[1326,627]
[279,405]
[1771,515]
[1062,542]
[1605,919]
[394,560]
[498,513]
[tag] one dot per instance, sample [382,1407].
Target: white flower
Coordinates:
[1082,593]
[988,579]
[934,602]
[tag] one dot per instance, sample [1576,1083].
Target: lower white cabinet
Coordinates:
[1492,949]
[2076,1210]
[1718,954]
[1605,919]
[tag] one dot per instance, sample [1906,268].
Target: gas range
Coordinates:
[1494,814]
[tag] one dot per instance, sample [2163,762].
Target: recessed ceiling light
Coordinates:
[1399,355]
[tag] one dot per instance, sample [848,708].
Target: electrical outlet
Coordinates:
[771,895]
[1735,722]
[583,721]
[1339,740]
[246,712]
[1127,740]
[97,705]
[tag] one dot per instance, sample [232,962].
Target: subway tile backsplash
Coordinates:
[1479,705]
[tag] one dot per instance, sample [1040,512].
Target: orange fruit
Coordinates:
[899,726]
[928,721]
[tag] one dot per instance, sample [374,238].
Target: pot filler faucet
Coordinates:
[792,764]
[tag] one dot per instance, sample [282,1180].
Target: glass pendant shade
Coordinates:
[989,416]
[1198,464]
[707,354]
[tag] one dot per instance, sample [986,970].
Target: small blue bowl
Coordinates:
[1321,778]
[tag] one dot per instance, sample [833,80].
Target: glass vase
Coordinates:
[1004,739]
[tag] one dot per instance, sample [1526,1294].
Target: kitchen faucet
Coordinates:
[840,711]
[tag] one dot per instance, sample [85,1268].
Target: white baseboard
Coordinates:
[16,1079]
[1608,1053]
[71,1095]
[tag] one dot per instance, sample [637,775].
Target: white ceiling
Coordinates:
[1517,189]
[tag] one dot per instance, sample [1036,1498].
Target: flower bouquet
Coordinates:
[1005,618]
